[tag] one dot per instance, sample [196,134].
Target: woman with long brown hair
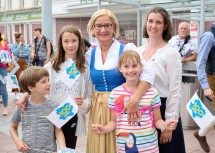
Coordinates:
[165,61]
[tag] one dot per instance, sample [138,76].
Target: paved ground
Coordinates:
[7,145]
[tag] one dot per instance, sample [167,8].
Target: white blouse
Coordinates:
[166,64]
[112,59]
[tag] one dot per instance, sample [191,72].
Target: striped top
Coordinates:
[37,131]
[142,137]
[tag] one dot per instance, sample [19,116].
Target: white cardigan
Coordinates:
[59,91]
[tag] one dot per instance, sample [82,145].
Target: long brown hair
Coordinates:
[59,57]
[168,32]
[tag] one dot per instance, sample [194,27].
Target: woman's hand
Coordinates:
[21,103]
[32,55]
[131,105]
[165,137]
[133,112]
[79,100]
[20,43]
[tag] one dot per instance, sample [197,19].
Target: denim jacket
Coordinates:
[25,52]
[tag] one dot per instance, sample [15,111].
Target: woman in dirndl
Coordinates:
[103,61]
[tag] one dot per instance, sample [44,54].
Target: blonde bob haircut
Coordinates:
[129,56]
[103,12]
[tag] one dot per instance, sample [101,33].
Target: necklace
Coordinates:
[149,52]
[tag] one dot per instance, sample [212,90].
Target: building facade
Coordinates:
[20,16]
[25,15]
[78,13]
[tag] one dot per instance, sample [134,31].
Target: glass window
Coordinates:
[28,3]
[8,5]
[14,4]
[39,2]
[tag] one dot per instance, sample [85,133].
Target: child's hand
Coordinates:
[79,100]
[171,124]
[99,129]
[21,103]
[21,146]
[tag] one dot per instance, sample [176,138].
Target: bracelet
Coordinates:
[163,127]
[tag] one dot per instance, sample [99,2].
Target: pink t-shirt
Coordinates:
[142,137]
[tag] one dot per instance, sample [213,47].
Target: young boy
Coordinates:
[39,134]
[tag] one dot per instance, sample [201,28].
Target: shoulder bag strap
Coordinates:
[185,42]
[37,48]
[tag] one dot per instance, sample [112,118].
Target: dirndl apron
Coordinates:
[100,114]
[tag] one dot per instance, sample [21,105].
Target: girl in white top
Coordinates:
[70,48]
[166,64]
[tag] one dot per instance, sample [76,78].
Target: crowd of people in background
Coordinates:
[129,91]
